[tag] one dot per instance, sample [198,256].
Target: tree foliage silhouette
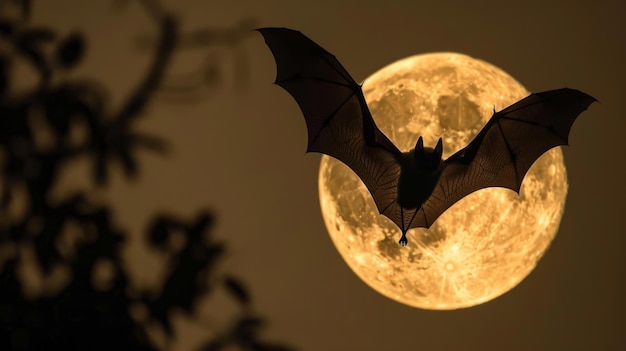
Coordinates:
[62,281]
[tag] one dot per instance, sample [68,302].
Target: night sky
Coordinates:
[240,153]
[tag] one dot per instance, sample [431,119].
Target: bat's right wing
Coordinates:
[338,121]
[504,150]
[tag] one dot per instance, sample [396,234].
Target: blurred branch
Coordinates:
[63,282]
[197,83]
[168,35]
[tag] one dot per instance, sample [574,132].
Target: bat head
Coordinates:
[428,159]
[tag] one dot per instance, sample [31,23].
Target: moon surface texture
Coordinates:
[485,244]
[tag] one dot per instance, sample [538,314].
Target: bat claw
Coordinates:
[403,241]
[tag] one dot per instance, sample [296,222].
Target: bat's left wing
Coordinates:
[503,151]
[338,121]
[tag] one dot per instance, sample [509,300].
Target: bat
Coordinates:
[414,188]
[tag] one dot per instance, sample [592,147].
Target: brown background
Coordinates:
[241,153]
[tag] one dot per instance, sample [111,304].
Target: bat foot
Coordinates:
[403,241]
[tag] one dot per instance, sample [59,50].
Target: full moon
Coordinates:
[485,244]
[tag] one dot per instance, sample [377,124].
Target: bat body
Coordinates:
[414,188]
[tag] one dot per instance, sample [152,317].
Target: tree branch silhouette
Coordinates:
[63,284]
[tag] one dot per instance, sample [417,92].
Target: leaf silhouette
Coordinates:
[70,51]
[237,289]
[6,28]
[29,44]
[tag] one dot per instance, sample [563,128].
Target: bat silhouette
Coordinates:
[414,188]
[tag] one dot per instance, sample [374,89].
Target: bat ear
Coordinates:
[418,152]
[419,146]
[439,149]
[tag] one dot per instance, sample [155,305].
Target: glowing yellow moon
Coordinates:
[485,244]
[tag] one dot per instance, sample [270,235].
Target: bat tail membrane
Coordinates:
[403,240]
[407,216]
